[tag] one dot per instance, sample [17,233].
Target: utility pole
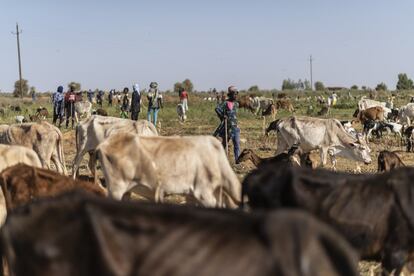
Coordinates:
[311,73]
[17,33]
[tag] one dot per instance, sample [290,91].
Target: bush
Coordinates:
[25,88]
[354,87]
[404,83]
[319,86]
[381,87]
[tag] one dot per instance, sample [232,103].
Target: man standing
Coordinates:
[154,102]
[135,102]
[70,98]
[227,113]
[184,99]
[58,105]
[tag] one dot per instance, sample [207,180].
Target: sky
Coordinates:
[112,44]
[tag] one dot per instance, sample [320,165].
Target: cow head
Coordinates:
[360,151]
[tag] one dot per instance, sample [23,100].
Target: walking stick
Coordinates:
[227,154]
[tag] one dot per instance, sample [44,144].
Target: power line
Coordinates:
[17,33]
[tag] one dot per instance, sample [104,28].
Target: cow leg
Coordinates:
[92,162]
[76,163]
[117,191]
[324,156]
[333,159]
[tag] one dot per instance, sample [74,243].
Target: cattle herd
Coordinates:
[286,217]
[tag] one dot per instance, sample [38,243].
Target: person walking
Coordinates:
[70,98]
[184,99]
[99,97]
[58,105]
[154,103]
[135,102]
[227,113]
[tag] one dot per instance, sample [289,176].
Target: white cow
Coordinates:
[44,138]
[406,114]
[327,135]
[83,110]
[260,103]
[365,103]
[94,130]
[196,167]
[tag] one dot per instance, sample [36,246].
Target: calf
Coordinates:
[374,212]
[74,234]
[388,161]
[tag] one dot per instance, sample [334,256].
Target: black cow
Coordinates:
[374,212]
[75,234]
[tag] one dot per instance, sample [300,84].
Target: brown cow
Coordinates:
[375,113]
[245,102]
[22,183]
[388,161]
[374,212]
[285,103]
[308,159]
[79,235]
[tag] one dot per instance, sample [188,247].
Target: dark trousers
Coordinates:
[57,113]
[70,113]
[134,115]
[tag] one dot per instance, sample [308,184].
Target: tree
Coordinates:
[381,87]
[404,83]
[188,85]
[76,85]
[25,88]
[354,87]
[177,87]
[254,88]
[288,84]
[319,86]
[308,85]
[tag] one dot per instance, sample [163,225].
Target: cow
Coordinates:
[293,156]
[375,113]
[42,113]
[406,113]
[326,135]
[75,234]
[365,103]
[408,134]
[388,161]
[12,155]
[286,104]
[94,130]
[374,212]
[22,183]
[45,139]
[181,112]
[83,110]
[196,167]
[260,104]
[245,102]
